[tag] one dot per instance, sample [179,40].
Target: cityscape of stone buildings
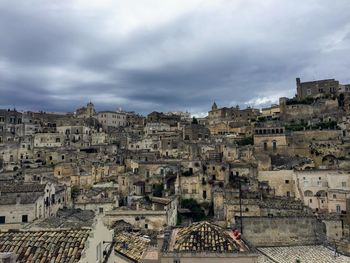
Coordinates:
[239,185]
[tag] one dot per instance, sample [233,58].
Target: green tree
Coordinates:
[197,212]
[75,191]
[158,190]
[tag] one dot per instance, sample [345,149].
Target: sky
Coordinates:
[167,55]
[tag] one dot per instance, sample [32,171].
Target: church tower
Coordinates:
[90,109]
[214,107]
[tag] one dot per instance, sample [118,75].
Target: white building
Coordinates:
[112,119]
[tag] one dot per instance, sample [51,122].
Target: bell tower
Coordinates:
[214,107]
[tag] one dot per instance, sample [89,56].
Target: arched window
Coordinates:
[308,193]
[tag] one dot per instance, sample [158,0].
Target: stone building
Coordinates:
[270,138]
[291,110]
[155,214]
[281,182]
[9,119]
[231,114]
[160,117]
[86,112]
[112,119]
[324,190]
[48,140]
[271,113]
[195,132]
[195,187]
[316,88]
[27,202]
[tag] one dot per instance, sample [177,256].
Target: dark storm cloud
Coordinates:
[178,56]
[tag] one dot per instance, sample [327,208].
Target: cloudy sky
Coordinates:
[165,55]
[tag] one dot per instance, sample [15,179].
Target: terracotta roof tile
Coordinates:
[131,246]
[204,237]
[45,246]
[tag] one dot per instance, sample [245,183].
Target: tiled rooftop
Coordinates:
[45,246]
[121,225]
[23,198]
[130,245]
[275,203]
[309,254]
[22,188]
[69,218]
[204,237]
[160,200]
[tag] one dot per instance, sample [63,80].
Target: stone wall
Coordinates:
[282,231]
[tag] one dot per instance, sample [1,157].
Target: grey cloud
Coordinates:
[186,63]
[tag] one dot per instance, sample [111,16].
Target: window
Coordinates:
[287,181]
[100,210]
[343,184]
[24,218]
[204,194]
[274,145]
[338,208]
[310,201]
[265,146]
[334,196]
[146,226]
[2,220]
[308,91]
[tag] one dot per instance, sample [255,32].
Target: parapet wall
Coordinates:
[283,231]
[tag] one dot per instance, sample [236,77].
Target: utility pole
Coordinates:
[240,203]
